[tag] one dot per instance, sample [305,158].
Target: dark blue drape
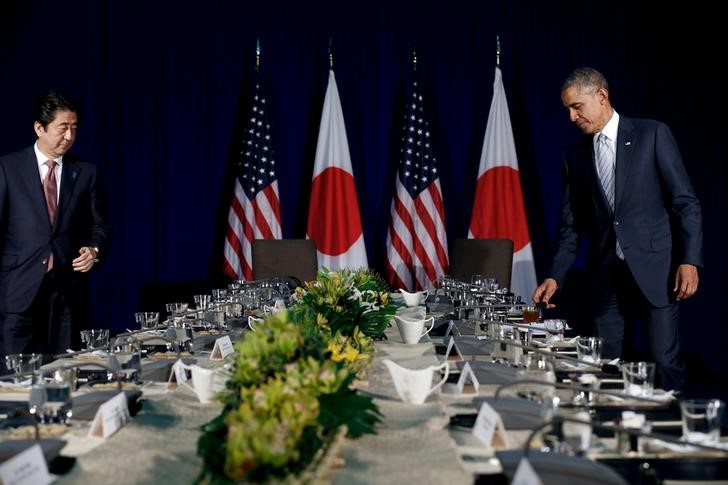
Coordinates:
[165,88]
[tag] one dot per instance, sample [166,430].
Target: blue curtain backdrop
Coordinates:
[165,85]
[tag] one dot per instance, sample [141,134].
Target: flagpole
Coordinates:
[331,55]
[257,55]
[497,51]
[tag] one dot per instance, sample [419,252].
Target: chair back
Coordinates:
[284,258]
[489,257]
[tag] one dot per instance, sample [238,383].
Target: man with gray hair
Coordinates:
[627,191]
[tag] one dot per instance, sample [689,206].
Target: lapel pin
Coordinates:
[627,143]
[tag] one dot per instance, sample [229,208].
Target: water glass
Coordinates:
[147,319]
[50,399]
[202,301]
[22,363]
[639,378]
[701,420]
[555,327]
[97,339]
[589,349]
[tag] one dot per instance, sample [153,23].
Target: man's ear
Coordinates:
[38,128]
[603,95]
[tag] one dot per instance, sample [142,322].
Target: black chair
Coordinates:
[492,258]
[286,258]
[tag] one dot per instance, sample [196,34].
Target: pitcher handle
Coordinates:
[252,319]
[445,364]
[426,330]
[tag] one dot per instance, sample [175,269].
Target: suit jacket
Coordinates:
[656,218]
[27,237]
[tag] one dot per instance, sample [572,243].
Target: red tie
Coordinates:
[50,189]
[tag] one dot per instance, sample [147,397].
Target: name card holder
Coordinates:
[110,417]
[26,468]
[525,474]
[467,374]
[453,356]
[178,375]
[223,347]
[489,429]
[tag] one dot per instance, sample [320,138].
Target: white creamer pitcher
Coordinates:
[413,386]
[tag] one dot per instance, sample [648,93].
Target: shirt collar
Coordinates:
[610,129]
[42,158]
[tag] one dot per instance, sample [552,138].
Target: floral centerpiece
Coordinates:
[291,387]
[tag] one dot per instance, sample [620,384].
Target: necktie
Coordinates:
[605,167]
[50,189]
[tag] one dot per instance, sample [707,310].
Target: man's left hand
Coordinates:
[686,281]
[86,259]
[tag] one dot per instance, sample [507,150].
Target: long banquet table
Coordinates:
[413,442]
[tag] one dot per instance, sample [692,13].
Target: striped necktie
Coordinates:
[604,159]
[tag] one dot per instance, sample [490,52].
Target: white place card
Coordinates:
[467,374]
[450,346]
[525,474]
[223,347]
[110,417]
[26,468]
[489,429]
[179,372]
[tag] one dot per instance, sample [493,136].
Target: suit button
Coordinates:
[616,223]
[44,262]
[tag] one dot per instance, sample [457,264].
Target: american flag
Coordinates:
[255,211]
[416,240]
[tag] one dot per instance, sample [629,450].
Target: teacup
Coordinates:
[205,383]
[412,330]
[413,386]
[414,299]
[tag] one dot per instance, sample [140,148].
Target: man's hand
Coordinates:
[86,259]
[545,291]
[686,281]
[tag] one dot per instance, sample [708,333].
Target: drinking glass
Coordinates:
[538,367]
[589,349]
[639,378]
[50,399]
[531,314]
[147,319]
[22,363]
[701,419]
[202,301]
[556,328]
[96,339]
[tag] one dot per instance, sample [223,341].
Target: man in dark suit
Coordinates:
[52,231]
[626,189]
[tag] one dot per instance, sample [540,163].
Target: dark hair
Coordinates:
[50,102]
[586,80]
